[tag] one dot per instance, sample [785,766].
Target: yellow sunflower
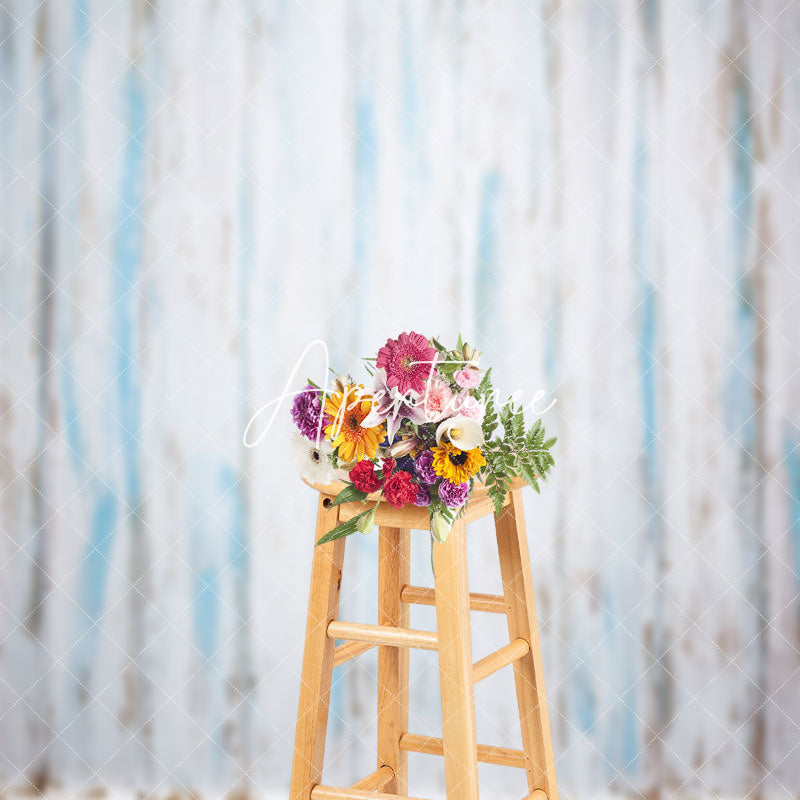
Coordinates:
[346,410]
[457,466]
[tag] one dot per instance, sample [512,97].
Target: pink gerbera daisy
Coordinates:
[408,361]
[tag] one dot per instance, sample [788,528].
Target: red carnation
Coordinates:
[364,478]
[399,490]
[387,468]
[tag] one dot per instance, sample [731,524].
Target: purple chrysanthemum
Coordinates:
[423,466]
[453,495]
[307,410]
[423,497]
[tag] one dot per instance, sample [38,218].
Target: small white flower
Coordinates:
[463,432]
[312,462]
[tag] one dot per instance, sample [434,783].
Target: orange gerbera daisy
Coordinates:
[346,410]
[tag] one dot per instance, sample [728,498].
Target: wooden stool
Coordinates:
[452,641]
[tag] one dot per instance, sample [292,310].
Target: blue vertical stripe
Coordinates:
[92,584]
[128,252]
[413,157]
[648,315]
[739,396]
[128,256]
[70,406]
[206,612]
[365,222]
[646,343]
[745,416]
[127,261]
[413,130]
[366,184]
[82,19]
[487,281]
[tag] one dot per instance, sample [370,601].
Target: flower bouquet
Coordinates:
[423,435]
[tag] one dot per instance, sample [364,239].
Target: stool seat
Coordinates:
[412,517]
[479,489]
[451,641]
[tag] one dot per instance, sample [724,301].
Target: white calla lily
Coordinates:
[463,432]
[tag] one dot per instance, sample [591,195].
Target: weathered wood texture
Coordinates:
[603,197]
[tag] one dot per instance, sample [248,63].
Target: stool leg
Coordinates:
[393,574]
[512,545]
[315,683]
[455,666]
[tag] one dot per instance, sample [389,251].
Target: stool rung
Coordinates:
[332,793]
[382,634]
[513,651]
[538,794]
[344,652]
[505,756]
[376,781]
[423,596]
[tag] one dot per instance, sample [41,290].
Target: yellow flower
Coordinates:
[457,466]
[346,409]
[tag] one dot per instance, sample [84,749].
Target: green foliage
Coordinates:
[520,452]
[449,361]
[485,393]
[348,495]
[438,507]
[448,370]
[442,519]
[345,528]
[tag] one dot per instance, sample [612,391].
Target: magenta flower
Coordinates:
[408,361]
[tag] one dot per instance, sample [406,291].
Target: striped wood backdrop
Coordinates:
[602,195]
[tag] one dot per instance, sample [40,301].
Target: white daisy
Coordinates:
[312,462]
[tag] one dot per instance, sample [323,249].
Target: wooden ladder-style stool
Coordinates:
[452,641]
